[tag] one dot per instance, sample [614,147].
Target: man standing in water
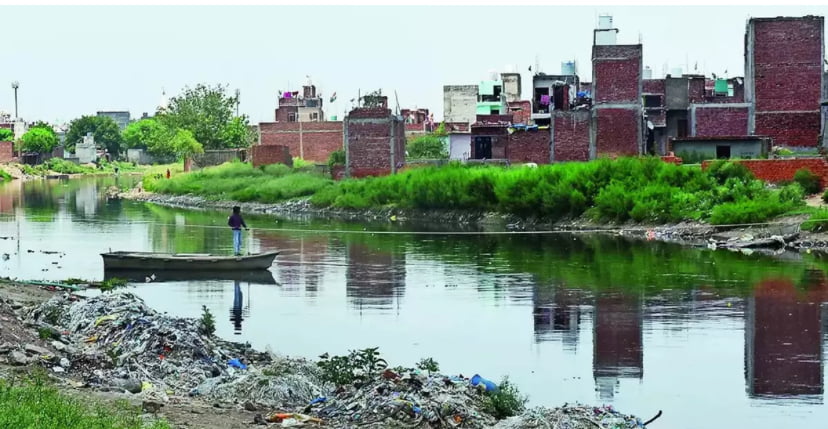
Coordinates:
[235,222]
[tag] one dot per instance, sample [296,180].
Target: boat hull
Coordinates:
[186,262]
[264,277]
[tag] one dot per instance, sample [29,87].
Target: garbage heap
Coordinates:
[391,398]
[114,341]
[571,417]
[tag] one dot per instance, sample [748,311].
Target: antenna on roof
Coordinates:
[397,99]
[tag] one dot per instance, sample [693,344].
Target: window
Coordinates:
[652,101]
[314,116]
[292,117]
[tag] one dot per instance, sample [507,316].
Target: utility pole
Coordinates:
[238,94]
[14,86]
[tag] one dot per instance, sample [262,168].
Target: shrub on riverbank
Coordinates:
[33,404]
[239,181]
[638,189]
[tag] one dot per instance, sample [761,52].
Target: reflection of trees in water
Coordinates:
[170,230]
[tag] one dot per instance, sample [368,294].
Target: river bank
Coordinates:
[781,234]
[112,346]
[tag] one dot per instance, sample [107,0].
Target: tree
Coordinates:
[45,125]
[184,144]
[207,112]
[6,135]
[39,140]
[104,129]
[152,135]
[426,147]
[237,133]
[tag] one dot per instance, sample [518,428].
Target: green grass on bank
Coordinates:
[643,190]
[241,182]
[62,166]
[638,189]
[34,404]
[4,176]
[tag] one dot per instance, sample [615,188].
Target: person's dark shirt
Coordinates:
[235,221]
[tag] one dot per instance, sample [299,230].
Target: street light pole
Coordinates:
[14,86]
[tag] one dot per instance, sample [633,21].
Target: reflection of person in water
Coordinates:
[236,311]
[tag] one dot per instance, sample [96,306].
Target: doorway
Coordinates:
[482,148]
[722,152]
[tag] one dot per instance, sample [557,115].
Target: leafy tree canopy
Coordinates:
[6,135]
[104,129]
[207,112]
[39,140]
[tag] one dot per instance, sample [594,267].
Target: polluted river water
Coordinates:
[711,337]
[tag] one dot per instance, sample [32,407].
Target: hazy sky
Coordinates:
[72,61]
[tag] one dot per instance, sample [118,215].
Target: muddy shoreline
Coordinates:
[781,235]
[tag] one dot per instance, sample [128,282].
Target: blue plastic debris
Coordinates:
[236,364]
[318,400]
[478,380]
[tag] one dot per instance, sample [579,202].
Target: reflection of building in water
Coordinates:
[557,314]
[374,278]
[301,260]
[783,338]
[87,200]
[10,196]
[618,350]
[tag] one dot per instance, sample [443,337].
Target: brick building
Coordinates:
[784,77]
[312,141]
[374,141]
[296,107]
[300,126]
[617,109]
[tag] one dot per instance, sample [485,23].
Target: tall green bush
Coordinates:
[809,181]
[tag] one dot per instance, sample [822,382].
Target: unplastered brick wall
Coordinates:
[720,121]
[789,129]
[787,59]
[6,151]
[523,112]
[571,136]
[318,140]
[779,170]
[616,73]
[617,132]
[369,145]
[270,154]
[653,86]
[529,146]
